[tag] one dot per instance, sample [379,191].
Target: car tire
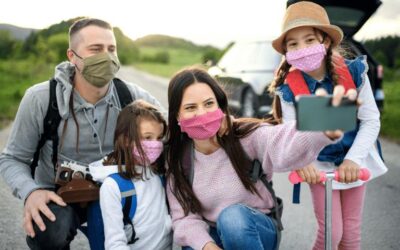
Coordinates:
[249,103]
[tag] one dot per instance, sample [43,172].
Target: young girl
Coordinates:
[137,146]
[220,207]
[308,42]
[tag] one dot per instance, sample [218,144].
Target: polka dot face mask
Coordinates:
[307,59]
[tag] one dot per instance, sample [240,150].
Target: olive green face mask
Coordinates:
[99,69]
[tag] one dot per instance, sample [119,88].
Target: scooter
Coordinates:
[328,177]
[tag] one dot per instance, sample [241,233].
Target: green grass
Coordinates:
[15,78]
[390,119]
[179,58]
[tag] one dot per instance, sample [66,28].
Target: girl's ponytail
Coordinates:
[330,65]
[276,104]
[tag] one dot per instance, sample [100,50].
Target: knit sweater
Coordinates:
[280,148]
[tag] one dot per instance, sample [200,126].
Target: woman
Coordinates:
[221,207]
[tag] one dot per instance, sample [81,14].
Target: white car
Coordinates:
[246,70]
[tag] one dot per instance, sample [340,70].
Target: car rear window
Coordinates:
[249,56]
[346,17]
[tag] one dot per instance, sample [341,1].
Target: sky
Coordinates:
[214,22]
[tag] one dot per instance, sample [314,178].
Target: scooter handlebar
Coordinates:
[295,178]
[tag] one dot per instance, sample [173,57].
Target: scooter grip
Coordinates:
[295,178]
[363,175]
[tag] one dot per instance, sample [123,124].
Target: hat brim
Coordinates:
[334,32]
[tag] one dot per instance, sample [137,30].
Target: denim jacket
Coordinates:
[358,68]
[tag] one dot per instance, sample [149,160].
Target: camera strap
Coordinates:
[52,120]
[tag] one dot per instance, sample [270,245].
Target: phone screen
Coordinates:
[316,113]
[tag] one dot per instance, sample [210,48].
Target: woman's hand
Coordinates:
[309,174]
[348,171]
[211,246]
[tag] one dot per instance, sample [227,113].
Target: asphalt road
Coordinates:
[381,217]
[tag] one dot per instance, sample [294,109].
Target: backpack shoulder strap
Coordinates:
[342,71]
[296,83]
[124,94]
[188,161]
[50,126]
[128,201]
[257,173]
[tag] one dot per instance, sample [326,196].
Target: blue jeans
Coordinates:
[241,227]
[58,234]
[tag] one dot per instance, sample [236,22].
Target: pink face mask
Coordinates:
[203,126]
[307,59]
[152,150]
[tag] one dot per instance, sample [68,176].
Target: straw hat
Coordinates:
[309,14]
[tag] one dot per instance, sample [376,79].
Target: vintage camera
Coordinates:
[67,171]
[76,183]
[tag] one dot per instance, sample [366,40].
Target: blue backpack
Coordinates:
[95,230]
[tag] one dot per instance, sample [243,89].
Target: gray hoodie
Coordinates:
[96,131]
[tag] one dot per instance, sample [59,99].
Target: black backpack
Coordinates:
[256,173]
[52,120]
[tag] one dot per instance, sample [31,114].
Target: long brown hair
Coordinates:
[283,71]
[177,140]
[127,136]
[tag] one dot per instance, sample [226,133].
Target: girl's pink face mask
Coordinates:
[152,150]
[202,127]
[307,59]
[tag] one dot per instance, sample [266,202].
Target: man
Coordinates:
[88,105]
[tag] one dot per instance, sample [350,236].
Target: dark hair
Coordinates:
[85,22]
[127,136]
[177,140]
[283,71]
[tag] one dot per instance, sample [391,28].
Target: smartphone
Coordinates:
[316,113]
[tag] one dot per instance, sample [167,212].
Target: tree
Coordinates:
[211,56]
[388,45]
[7,44]
[58,44]
[128,52]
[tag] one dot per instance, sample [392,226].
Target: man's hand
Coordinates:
[348,171]
[35,203]
[211,246]
[309,174]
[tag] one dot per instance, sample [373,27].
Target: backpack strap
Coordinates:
[52,120]
[257,173]
[188,161]
[342,71]
[124,94]
[50,126]
[128,202]
[296,83]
